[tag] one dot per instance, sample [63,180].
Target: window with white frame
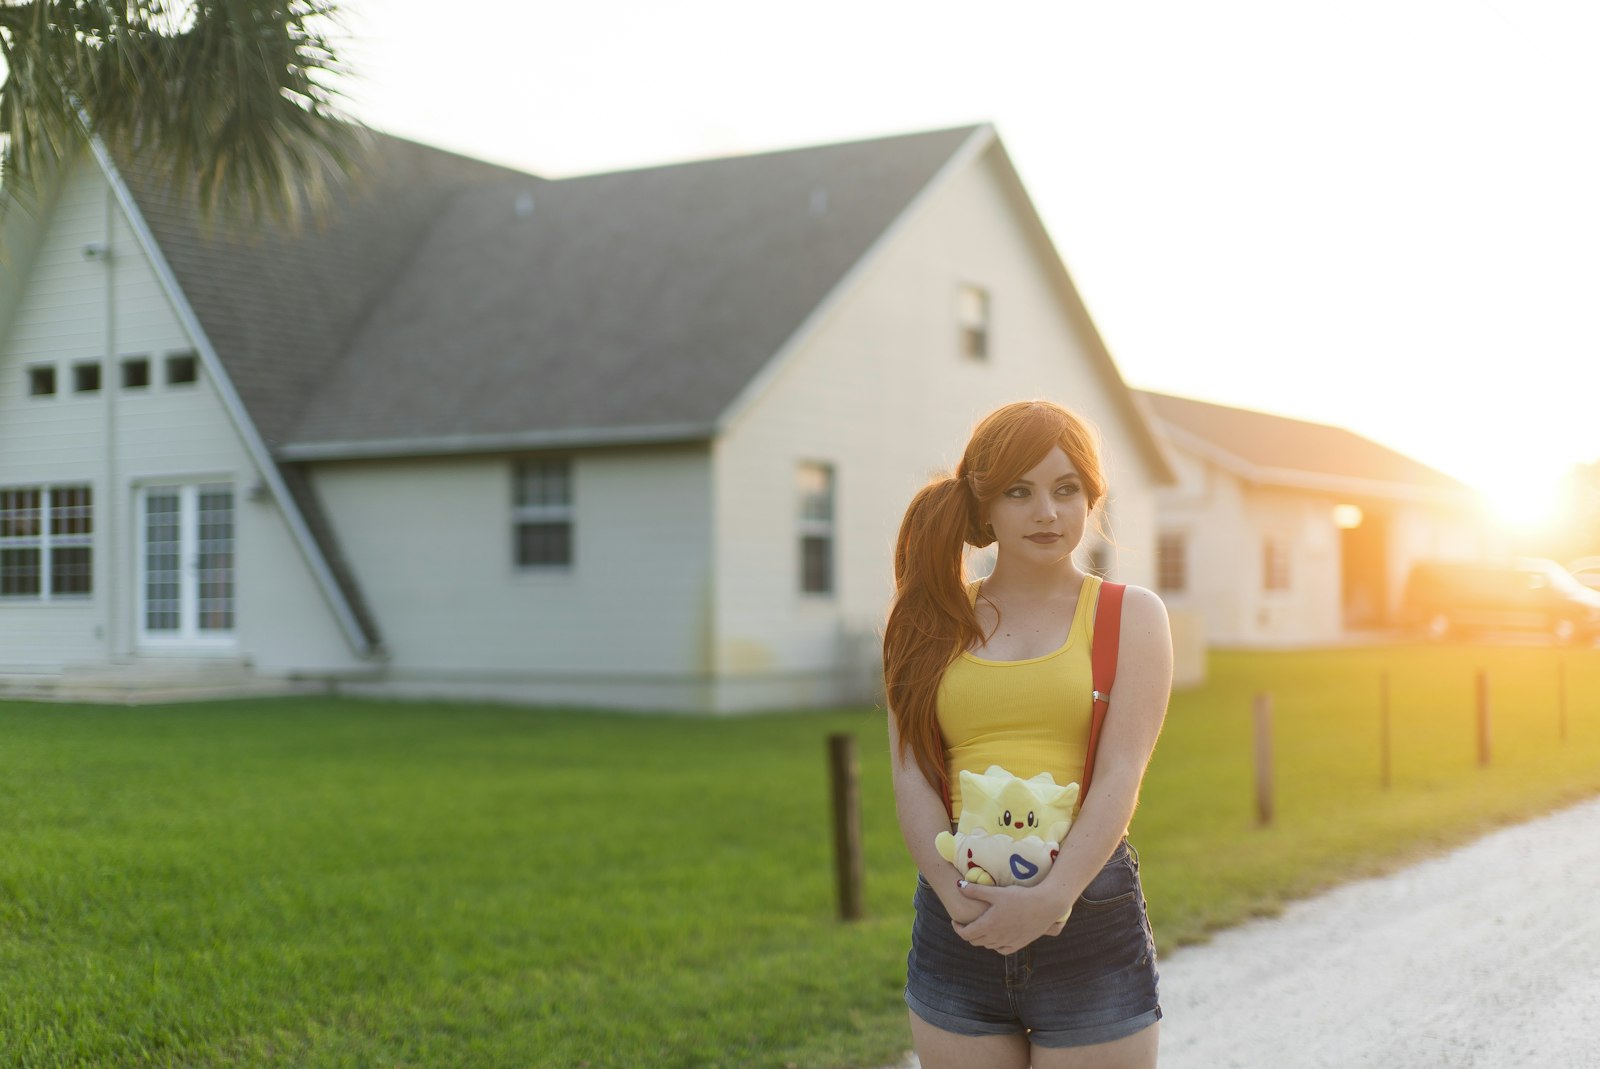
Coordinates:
[972,315]
[46,542]
[542,513]
[1172,562]
[1275,563]
[815,487]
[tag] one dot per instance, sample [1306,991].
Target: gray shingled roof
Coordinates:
[1268,444]
[613,304]
[281,306]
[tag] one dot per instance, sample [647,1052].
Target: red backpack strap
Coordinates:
[1107,633]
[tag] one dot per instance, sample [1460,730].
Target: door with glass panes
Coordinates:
[186,565]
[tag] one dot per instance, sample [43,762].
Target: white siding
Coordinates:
[628,623]
[75,309]
[882,392]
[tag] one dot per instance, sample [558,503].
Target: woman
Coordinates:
[996,672]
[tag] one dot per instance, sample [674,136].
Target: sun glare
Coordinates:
[1526,504]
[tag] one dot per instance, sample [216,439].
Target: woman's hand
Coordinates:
[1012,917]
[963,910]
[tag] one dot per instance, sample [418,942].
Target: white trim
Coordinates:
[452,444]
[974,146]
[266,467]
[188,636]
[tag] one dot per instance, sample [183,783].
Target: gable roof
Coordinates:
[280,305]
[1279,451]
[669,287]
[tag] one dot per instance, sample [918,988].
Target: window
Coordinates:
[46,542]
[1172,562]
[972,315]
[136,373]
[182,368]
[542,513]
[41,381]
[815,486]
[85,378]
[1275,563]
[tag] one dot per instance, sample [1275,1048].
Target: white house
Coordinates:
[637,439]
[1284,532]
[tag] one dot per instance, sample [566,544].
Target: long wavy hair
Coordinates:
[931,621]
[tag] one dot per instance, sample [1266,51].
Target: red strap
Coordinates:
[1107,633]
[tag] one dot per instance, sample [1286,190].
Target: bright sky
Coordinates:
[1380,214]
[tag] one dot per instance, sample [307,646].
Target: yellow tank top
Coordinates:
[1026,716]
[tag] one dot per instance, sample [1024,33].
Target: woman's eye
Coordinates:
[1017,491]
[1066,491]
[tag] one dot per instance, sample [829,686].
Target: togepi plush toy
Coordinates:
[1010,829]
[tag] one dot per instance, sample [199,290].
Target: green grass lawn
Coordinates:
[342,883]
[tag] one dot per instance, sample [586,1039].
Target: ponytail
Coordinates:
[932,620]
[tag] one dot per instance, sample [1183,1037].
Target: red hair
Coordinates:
[931,620]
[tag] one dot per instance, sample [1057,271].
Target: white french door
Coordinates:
[186,565]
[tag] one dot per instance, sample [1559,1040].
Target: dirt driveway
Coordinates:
[1488,956]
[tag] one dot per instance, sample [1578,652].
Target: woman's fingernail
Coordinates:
[961,883]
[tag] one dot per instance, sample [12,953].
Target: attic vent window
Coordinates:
[136,373]
[182,369]
[86,378]
[42,381]
[972,316]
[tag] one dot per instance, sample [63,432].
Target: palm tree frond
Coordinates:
[231,99]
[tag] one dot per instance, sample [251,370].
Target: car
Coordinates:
[1586,570]
[1444,599]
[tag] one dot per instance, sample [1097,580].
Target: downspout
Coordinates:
[112,539]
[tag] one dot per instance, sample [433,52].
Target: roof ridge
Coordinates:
[739,157]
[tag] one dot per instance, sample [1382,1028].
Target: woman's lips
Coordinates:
[1044,539]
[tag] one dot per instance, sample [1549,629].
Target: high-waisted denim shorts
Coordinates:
[1094,983]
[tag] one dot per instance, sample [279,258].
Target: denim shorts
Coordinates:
[1094,983]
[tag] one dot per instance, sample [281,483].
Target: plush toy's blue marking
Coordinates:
[1022,868]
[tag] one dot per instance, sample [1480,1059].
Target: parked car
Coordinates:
[1531,594]
[1586,570]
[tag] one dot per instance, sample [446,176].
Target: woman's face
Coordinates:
[1041,516]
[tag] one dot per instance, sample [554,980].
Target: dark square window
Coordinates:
[71,571]
[41,381]
[136,373]
[182,368]
[86,378]
[816,564]
[19,573]
[544,543]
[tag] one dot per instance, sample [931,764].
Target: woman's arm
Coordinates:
[922,817]
[1019,915]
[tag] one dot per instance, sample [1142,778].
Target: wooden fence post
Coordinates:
[1264,760]
[845,777]
[1561,697]
[1485,740]
[1384,744]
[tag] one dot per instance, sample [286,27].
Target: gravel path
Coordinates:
[1485,957]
